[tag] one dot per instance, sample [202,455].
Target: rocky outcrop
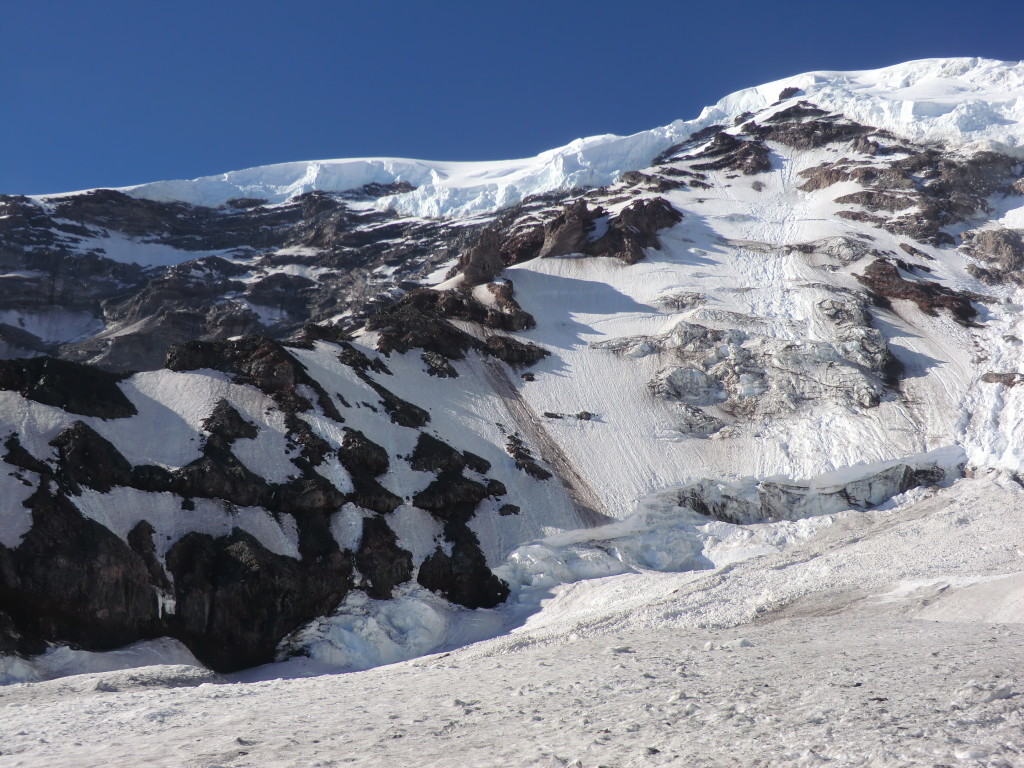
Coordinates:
[235,600]
[727,152]
[805,126]
[95,593]
[383,564]
[463,576]
[929,190]
[420,320]
[883,278]
[594,232]
[1001,251]
[75,388]
[259,361]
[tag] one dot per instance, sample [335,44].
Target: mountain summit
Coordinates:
[348,412]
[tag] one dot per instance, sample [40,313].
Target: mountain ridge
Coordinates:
[574,369]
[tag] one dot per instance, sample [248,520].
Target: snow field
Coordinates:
[826,651]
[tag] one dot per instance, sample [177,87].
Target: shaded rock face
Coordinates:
[884,279]
[382,562]
[235,600]
[259,361]
[229,597]
[96,593]
[421,320]
[463,576]
[63,255]
[75,388]
[594,232]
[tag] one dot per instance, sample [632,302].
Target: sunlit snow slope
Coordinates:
[742,380]
[956,100]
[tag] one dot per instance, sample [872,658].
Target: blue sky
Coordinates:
[110,93]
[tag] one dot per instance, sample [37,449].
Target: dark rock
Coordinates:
[227,424]
[514,352]
[798,111]
[242,203]
[380,560]
[476,463]
[73,387]
[912,251]
[18,456]
[516,448]
[451,496]
[96,594]
[282,291]
[788,93]
[1002,252]
[727,152]
[258,361]
[483,261]
[434,455]
[1006,379]
[884,279]
[651,182]
[84,458]
[419,320]
[359,361]
[878,201]
[140,539]
[235,600]
[362,456]
[796,131]
[370,494]
[402,412]
[508,509]
[218,474]
[314,448]
[13,641]
[463,577]
[634,228]
[438,366]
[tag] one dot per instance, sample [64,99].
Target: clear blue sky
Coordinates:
[110,93]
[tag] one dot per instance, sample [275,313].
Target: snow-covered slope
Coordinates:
[954,100]
[764,370]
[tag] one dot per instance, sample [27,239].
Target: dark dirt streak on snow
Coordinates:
[587,505]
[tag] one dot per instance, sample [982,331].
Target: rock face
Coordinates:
[231,596]
[75,388]
[884,279]
[1000,251]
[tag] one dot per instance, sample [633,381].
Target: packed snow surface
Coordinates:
[962,100]
[883,638]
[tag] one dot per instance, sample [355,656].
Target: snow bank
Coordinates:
[61,661]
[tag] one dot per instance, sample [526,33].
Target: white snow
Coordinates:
[881,637]
[965,100]
[823,650]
